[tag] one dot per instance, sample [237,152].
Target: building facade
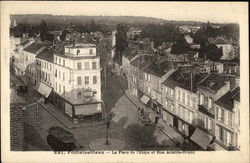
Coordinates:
[77,82]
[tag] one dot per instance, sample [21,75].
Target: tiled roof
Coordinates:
[227,100]
[161,69]
[144,60]
[24,42]
[47,54]
[130,53]
[182,78]
[34,47]
[214,82]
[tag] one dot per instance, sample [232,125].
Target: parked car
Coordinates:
[60,139]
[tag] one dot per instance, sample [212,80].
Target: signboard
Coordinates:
[68,109]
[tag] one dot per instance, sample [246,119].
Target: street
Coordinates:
[123,111]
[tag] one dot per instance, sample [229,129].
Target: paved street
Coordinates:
[123,111]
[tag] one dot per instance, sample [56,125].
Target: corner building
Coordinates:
[77,82]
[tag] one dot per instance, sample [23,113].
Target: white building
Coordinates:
[77,81]
[45,70]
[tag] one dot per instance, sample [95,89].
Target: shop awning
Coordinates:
[145,99]
[44,90]
[201,138]
[216,147]
[88,109]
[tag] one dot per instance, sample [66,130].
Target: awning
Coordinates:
[44,90]
[145,99]
[216,147]
[88,109]
[201,138]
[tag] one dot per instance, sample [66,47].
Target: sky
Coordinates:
[217,12]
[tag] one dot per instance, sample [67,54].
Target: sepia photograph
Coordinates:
[165,80]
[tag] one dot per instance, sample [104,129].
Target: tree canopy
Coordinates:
[180,46]
[160,33]
[211,52]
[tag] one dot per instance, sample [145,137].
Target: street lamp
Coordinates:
[108,119]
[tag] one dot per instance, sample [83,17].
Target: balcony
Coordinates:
[206,111]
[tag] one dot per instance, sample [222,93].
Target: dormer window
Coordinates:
[78,51]
[91,51]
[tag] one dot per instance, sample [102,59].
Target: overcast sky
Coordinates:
[220,12]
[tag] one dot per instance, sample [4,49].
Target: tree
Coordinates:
[92,26]
[121,39]
[212,52]
[181,46]
[43,30]
[63,35]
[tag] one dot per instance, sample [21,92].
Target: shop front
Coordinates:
[201,138]
[86,112]
[45,91]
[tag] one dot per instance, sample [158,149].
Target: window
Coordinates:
[146,76]
[77,52]
[59,61]
[209,103]
[149,90]
[94,79]
[191,114]
[188,99]
[79,65]
[166,103]
[172,106]
[79,94]
[56,85]
[63,89]
[205,103]
[56,60]
[201,99]
[86,80]
[93,65]
[26,57]
[91,51]
[209,124]
[149,77]
[86,65]
[179,95]
[63,62]
[63,76]
[79,80]
[59,88]
[183,97]
[230,117]
[59,74]
[56,73]
[172,92]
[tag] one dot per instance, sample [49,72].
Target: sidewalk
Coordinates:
[58,115]
[169,131]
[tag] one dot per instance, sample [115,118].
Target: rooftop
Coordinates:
[182,78]
[81,46]
[159,69]
[34,47]
[24,42]
[214,82]
[47,54]
[227,100]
